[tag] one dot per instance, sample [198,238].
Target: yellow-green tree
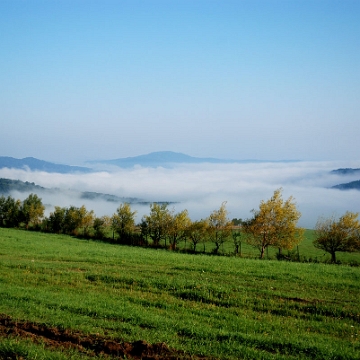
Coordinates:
[157,223]
[219,227]
[197,232]
[32,210]
[86,219]
[123,221]
[338,235]
[72,220]
[177,227]
[274,224]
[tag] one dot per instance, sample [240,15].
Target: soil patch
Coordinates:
[92,344]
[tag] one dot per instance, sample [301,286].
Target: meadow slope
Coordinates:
[194,306]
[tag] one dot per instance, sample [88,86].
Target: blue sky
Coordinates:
[86,80]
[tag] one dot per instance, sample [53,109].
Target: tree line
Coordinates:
[274,224]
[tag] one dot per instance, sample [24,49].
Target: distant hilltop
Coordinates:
[168,159]
[40,165]
[352,185]
[346,171]
[7,186]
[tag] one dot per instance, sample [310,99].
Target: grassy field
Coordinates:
[210,306]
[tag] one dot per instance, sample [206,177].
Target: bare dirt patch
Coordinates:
[92,345]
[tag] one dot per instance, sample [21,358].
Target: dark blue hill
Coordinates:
[345,171]
[40,165]
[167,159]
[348,186]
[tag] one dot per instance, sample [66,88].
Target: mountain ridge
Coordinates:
[8,185]
[168,158]
[352,185]
[40,165]
[345,171]
[154,159]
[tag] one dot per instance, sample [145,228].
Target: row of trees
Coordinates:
[274,224]
[14,212]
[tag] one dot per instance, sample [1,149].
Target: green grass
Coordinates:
[224,307]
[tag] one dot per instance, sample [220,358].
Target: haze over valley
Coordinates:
[199,187]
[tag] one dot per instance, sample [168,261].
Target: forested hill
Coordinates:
[39,165]
[169,159]
[348,186]
[346,171]
[8,185]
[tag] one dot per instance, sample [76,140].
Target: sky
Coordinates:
[269,80]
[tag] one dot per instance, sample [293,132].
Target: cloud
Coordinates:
[202,188]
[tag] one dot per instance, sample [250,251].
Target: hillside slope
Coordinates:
[39,165]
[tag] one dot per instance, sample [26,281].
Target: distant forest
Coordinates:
[7,185]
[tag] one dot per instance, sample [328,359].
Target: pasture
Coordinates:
[200,306]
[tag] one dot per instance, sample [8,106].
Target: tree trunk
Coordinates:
[333,257]
[262,252]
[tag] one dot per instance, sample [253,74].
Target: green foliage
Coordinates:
[101,225]
[178,226]
[56,221]
[70,220]
[10,214]
[197,232]
[157,223]
[236,221]
[123,221]
[32,210]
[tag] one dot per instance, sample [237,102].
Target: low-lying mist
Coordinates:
[202,188]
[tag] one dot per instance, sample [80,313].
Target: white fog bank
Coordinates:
[202,188]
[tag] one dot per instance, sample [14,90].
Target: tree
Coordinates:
[219,227]
[56,220]
[72,220]
[197,232]
[236,236]
[123,221]
[338,235]
[2,210]
[100,226]
[236,222]
[32,210]
[157,223]
[274,224]
[86,219]
[177,227]
[9,212]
